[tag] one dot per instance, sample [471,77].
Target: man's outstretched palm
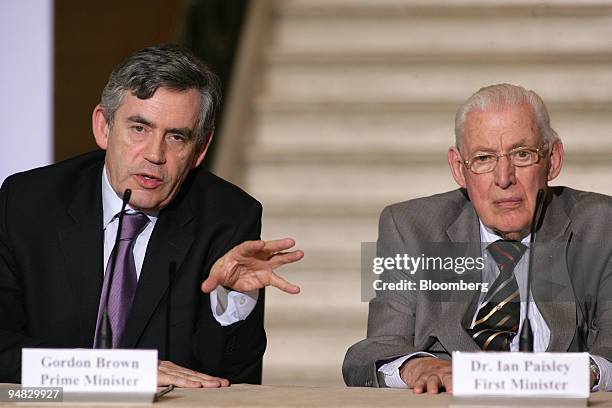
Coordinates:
[250,266]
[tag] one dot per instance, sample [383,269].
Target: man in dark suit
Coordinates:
[505,152]
[58,225]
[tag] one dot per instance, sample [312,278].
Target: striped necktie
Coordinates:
[498,317]
[123,286]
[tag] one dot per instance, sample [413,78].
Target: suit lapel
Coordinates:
[551,285]
[166,250]
[463,231]
[82,244]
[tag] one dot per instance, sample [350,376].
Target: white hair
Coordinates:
[499,96]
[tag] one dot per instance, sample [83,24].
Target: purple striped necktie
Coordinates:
[124,282]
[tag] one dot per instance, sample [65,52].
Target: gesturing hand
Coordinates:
[250,265]
[427,374]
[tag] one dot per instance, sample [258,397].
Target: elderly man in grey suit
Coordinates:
[505,151]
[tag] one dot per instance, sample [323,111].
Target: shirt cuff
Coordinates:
[391,375]
[605,374]
[229,307]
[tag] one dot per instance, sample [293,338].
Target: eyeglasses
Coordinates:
[519,157]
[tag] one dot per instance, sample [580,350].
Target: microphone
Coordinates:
[105,334]
[526,337]
[171,276]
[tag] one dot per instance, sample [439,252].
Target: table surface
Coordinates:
[295,396]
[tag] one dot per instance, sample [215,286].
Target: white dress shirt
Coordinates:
[541,331]
[227,306]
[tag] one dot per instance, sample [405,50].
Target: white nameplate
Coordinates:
[93,375]
[534,375]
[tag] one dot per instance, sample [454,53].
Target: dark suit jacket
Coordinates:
[51,245]
[571,283]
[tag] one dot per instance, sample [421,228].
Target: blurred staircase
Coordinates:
[354,110]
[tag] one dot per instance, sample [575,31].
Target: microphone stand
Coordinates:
[526,336]
[105,334]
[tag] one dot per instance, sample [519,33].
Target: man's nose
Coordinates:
[155,151]
[504,173]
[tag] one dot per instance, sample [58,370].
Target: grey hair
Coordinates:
[164,66]
[499,96]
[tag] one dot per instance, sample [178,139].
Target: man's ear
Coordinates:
[100,127]
[199,156]
[456,165]
[556,159]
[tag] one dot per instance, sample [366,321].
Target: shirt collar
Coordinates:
[111,202]
[488,235]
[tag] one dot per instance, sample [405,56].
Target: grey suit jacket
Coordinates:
[571,283]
